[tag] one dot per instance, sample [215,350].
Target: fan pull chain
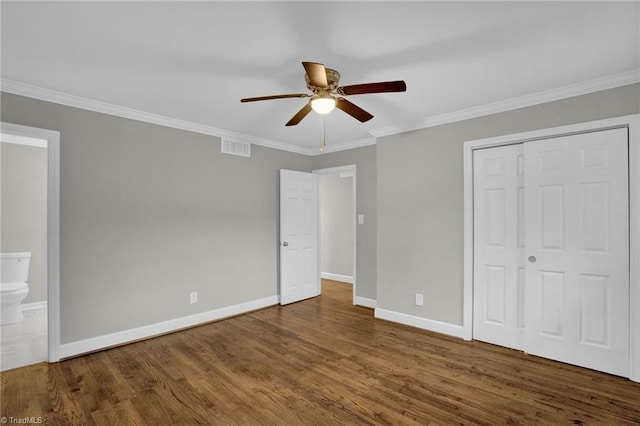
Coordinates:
[322,133]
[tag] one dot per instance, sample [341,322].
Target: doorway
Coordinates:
[30,158]
[337,222]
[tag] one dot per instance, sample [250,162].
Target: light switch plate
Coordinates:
[360,219]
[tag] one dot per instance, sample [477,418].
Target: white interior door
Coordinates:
[577,234]
[498,261]
[299,271]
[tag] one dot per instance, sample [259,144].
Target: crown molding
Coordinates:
[36,92]
[608,82]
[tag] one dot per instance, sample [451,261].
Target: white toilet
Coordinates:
[14,272]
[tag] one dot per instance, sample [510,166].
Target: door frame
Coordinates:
[329,171]
[632,123]
[53,229]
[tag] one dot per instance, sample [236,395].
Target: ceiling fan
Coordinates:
[327,95]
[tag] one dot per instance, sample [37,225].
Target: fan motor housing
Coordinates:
[333,78]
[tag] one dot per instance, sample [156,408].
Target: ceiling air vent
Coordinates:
[236,148]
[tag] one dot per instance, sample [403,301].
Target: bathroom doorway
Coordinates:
[29,189]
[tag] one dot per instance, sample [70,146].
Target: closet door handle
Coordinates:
[285,244]
[532,259]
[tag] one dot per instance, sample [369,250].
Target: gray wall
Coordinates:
[23,173]
[365,160]
[336,224]
[420,198]
[150,213]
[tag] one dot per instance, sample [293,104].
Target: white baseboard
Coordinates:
[364,301]
[34,305]
[424,323]
[336,277]
[92,344]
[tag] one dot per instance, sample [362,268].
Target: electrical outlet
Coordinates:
[419,299]
[194,297]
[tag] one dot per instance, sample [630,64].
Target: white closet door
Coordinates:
[577,234]
[498,292]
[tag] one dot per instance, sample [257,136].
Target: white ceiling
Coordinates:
[193,61]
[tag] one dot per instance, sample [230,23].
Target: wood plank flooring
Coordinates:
[320,361]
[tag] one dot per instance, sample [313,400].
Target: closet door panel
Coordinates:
[498,246]
[577,258]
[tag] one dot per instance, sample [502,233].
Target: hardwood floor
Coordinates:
[320,361]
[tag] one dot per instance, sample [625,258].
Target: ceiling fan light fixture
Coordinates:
[323,104]
[327,95]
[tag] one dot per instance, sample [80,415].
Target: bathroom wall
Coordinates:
[336,224]
[149,214]
[23,210]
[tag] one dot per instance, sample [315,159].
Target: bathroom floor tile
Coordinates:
[24,343]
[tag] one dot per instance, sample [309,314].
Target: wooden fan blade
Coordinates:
[353,110]
[317,74]
[384,86]
[300,115]
[266,98]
